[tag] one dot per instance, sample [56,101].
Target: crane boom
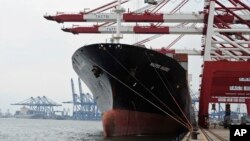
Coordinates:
[143,17]
[136,30]
[150,30]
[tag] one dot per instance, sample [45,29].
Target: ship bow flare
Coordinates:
[139,91]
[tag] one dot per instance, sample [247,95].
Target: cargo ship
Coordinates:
[29,114]
[138,90]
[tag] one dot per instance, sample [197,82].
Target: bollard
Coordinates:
[194,134]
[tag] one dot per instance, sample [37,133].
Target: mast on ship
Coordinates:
[118,10]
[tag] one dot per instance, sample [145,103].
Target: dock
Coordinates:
[211,134]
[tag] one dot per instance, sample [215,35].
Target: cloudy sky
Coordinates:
[35,55]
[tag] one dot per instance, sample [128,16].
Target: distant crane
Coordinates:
[42,106]
[84,106]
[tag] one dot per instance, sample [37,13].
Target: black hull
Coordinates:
[125,77]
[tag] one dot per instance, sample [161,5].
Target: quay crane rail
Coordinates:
[211,136]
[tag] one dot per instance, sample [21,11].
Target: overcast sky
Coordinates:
[35,55]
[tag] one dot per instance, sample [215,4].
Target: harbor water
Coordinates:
[12,129]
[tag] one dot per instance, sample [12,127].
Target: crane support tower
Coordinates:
[84,106]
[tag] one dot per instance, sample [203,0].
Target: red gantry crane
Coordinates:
[224,27]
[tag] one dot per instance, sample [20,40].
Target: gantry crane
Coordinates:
[84,106]
[40,106]
[224,27]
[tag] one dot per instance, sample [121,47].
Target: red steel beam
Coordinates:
[77,30]
[210,69]
[226,25]
[60,18]
[228,100]
[233,2]
[178,7]
[248,106]
[64,17]
[159,6]
[243,21]
[242,4]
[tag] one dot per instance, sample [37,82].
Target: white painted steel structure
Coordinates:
[222,38]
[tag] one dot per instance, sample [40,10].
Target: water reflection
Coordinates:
[140,138]
[60,130]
